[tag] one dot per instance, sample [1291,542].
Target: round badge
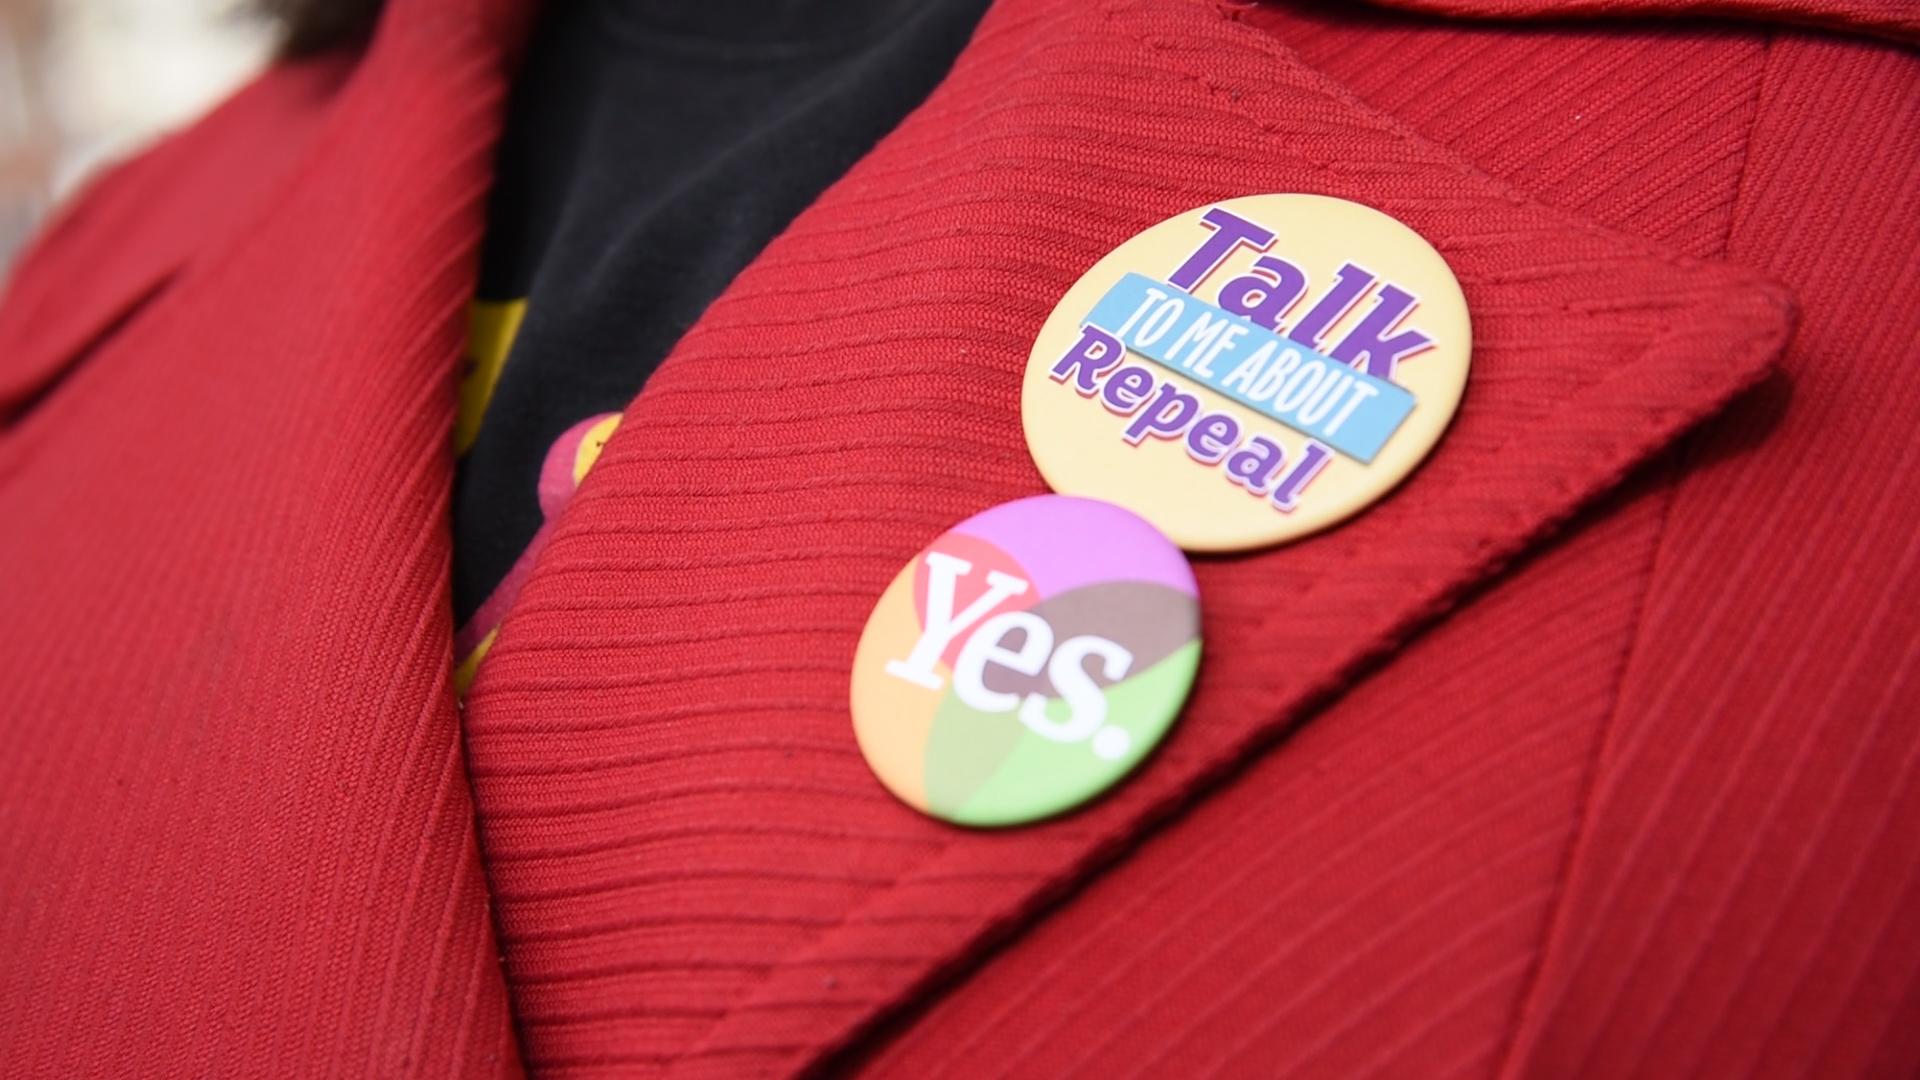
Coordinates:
[1026,660]
[1250,371]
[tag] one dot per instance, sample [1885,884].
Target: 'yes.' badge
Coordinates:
[1026,660]
[1250,371]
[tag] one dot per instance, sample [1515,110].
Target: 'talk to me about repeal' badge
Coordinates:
[1250,371]
[1030,657]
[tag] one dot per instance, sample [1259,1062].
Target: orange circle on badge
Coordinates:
[1251,371]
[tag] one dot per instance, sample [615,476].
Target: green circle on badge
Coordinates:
[1026,660]
[1251,371]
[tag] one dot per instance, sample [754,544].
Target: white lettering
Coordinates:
[943,573]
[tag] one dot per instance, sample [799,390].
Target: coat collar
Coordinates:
[134,231]
[694,870]
[1894,19]
[97,263]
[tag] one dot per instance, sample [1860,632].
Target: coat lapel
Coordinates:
[695,872]
[202,192]
[224,556]
[1898,20]
[117,246]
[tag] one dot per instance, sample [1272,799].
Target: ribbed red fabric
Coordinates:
[1897,19]
[236,835]
[1479,769]
[1464,789]
[694,870]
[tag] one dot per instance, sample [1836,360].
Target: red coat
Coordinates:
[1593,750]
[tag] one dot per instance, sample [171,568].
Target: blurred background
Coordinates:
[84,82]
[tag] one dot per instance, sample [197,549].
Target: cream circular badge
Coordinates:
[1026,660]
[1250,371]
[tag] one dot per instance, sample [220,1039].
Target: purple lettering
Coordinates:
[1211,437]
[1253,465]
[1368,342]
[1230,231]
[1264,297]
[1166,416]
[1095,352]
[1126,390]
[1286,493]
[1351,282]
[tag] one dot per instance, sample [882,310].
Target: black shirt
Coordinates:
[652,150]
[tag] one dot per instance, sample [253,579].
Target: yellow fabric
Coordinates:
[491,328]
